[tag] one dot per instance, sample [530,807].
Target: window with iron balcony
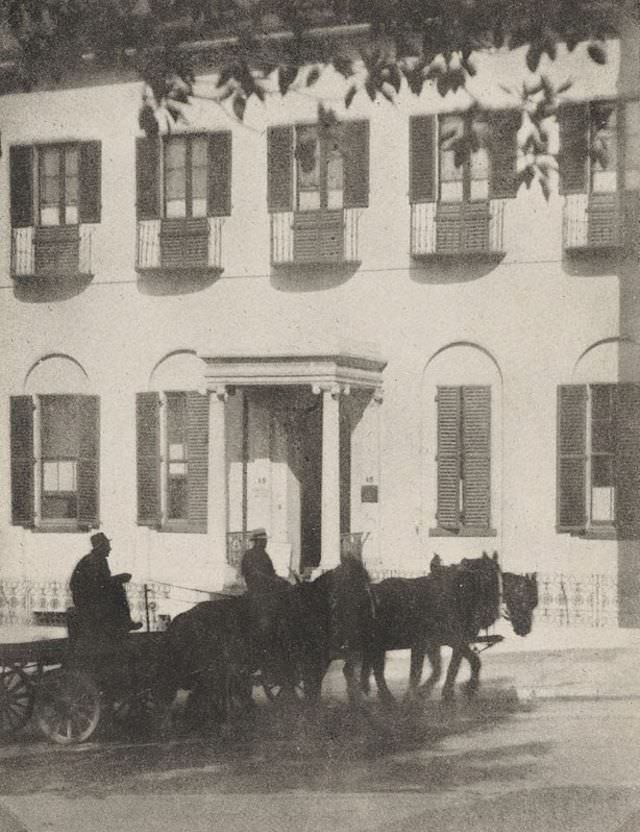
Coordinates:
[183,194]
[599,166]
[55,206]
[462,170]
[318,183]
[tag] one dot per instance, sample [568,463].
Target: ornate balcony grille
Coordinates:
[457,229]
[52,251]
[180,244]
[329,237]
[593,222]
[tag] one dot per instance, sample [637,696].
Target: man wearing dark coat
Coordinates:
[99,597]
[257,567]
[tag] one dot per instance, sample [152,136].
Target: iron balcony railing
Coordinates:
[326,237]
[184,244]
[600,221]
[52,251]
[441,229]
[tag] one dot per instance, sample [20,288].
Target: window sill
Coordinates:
[62,528]
[604,533]
[471,531]
[159,271]
[179,527]
[316,265]
[475,255]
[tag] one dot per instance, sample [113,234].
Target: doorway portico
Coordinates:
[290,438]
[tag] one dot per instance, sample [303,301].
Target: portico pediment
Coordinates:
[343,368]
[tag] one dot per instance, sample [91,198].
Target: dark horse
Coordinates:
[288,632]
[451,606]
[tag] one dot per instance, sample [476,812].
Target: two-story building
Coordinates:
[334,328]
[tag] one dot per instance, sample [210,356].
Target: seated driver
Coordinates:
[99,597]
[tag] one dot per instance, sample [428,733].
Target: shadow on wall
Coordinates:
[311,278]
[445,270]
[595,263]
[49,289]
[177,282]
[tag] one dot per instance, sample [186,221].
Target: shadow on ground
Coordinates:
[284,749]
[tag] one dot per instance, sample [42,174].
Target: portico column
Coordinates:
[330,486]
[217,497]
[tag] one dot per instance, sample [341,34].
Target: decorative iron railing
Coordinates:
[600,220]
[577,600]
[443,229]
[24,602]
[315,237]
[189,244]
[52,251]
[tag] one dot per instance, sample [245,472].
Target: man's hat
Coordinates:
[256,533]
[99,539]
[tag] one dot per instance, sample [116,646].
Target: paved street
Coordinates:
[497,765]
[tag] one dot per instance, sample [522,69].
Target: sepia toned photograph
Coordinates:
[320,415]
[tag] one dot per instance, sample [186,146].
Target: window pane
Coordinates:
[199,168]
[49,178]
[199,152]
[60,507]
[308,168]
[480,174]
[59,426]
[632,145]
[50,476]
[177,469]
[335,171]
[604,147]
[177,451]
[451,131]
[175,169]
[602,505]
[176,419]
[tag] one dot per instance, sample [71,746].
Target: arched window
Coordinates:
[55,448]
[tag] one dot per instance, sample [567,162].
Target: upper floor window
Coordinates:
[184,176]
[598,472]
[313,167]
[599,147]
[54,185]
[319,167]
[463,157]
[463,178]
[172,460]
[54,461]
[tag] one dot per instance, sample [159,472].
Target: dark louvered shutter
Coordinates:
[21,164]
[148,458]
[198,459]
[503,153]
[219,181]
[627,463]
[355,143]
[571,453]
[573,120]
[90,181]
[448,460]
[22,461]
[280,168]
[148,203]
[422,159]
[88,460]
[476,456]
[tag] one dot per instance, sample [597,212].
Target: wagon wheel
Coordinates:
[16,700]
[68,707]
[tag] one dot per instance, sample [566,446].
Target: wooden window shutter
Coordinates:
[503,153]
[21,165]
[627,461]
[198,459]
[219,179]
[22,461]
[280,168]
[448,459]
[476,456]
[148,458]
[90,181]
[422,159]
[148,203]
[573,121]
[571,457]
[88,461]
[355,143]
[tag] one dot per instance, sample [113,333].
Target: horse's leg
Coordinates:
[415,668]
[471,687]
[365,674]
[385,695]
[448,690]
[435,661]
[352,671]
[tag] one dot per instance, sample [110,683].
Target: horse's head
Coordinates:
[520,594]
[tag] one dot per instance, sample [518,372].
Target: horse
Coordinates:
[448,607]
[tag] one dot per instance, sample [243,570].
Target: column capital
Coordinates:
[221,392]
[331,387]
[378,395]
